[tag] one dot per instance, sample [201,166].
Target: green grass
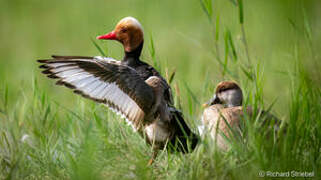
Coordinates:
[269,47]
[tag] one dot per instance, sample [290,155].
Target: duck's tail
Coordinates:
[184,140]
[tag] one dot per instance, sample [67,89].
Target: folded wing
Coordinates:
[104,80]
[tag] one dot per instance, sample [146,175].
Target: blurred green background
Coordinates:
[182,35]
[281,35]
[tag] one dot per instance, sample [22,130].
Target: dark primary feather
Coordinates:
[129,76]
[92,76]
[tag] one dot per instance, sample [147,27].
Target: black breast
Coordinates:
[131,59]
[145,71]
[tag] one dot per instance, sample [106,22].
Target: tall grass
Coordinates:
[43,138]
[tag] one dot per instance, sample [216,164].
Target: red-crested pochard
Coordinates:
[130,87]
[226,107]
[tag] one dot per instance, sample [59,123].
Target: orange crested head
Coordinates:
[128,31]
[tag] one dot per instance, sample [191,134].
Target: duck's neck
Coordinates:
[132,57]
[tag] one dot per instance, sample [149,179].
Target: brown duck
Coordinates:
[225,112]
[130,87]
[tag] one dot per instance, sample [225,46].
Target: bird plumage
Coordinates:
[225,114]
[131,88]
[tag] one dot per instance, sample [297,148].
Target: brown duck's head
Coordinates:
[128,31]
[227,93]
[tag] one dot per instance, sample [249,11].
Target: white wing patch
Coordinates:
[108,93]
[109,60]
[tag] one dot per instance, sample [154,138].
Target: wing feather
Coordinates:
[106,81]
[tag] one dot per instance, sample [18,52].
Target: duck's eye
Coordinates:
[123,30]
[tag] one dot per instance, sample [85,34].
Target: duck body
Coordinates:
[159,130]
[168,125]
[130,87]
[225,114]
[219,121]
[132,59]
[143,103]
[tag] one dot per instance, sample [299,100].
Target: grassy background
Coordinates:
[70,137]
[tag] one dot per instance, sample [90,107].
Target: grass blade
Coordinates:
[233,2]
[98,47]
[207,8]
[247,73]
[241,15]
[292,23]
[307,27]
[171,77]
[152,53]
[226,53]
[190,92]
[217,28]
[6,97]
[230,40]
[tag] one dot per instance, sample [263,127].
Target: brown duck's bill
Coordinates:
[214,100]
[109,36]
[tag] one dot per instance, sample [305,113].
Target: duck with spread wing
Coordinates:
[130,87]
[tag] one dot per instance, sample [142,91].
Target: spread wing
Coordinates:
[104,80]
